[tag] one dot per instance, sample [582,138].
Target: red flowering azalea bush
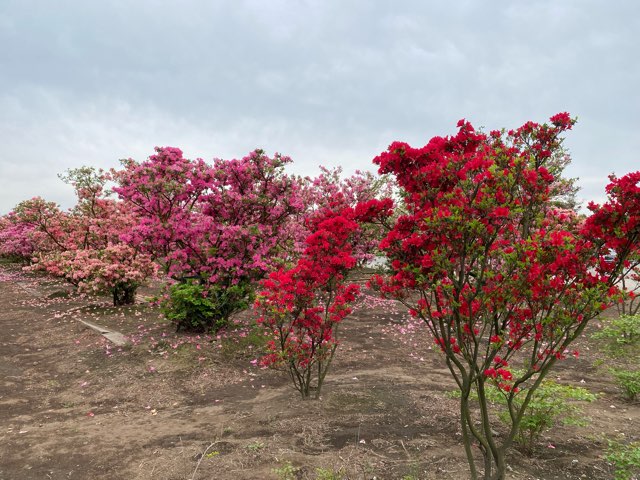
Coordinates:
[302,307]
[330,190]
[617,222]
[504,279]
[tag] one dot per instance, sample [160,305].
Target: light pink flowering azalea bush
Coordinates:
[84,245]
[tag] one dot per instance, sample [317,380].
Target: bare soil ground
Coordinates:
[168,406]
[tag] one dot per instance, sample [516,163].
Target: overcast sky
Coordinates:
[326,82]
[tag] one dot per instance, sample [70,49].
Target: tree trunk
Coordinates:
[124,295]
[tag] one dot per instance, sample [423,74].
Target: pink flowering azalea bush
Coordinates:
[19,241]
[215,229]
[504,280]
[116,268]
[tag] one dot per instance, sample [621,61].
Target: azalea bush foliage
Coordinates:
[217,228]
[620,341]
[501,275]
[227,225]
[82,245]
[19,241]
[551,404]
[628,382]
[302,307]
[194,307]
[621,335]
[625,459]
[221,226]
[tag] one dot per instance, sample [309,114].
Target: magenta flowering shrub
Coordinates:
[223,226]
[19,241]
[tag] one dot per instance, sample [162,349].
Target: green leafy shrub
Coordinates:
[628,381]
[625,459]
[188,307]
[193,307]
[550,404]
[620,333]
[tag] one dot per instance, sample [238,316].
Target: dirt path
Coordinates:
[73,406]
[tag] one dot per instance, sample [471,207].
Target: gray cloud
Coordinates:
[326,82]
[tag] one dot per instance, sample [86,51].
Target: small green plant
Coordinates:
[215,453]
[620,333]
[414,472]
[255,446]
[628,381]
[286,471]
[326,474]
[551,403]
[625,460]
